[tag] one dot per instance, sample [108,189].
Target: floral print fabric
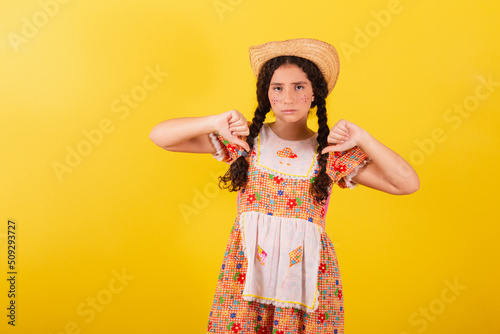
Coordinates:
[276,193]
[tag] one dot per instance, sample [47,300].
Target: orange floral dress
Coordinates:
[280,273]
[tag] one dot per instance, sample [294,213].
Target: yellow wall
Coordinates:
[103,245]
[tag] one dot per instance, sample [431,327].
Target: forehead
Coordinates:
[289,73]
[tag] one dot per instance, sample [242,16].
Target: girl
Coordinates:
[280,272]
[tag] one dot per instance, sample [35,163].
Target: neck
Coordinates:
[291,131]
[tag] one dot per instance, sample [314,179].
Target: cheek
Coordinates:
[306,98]
[274,100]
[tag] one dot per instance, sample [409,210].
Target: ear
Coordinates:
[312,98]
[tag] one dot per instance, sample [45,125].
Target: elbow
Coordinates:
[156,138]
[411,186]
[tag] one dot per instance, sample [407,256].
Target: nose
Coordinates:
[288,96]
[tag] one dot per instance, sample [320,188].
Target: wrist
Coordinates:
[364,139]
[214,123]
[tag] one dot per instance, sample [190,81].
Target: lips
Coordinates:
[288,111]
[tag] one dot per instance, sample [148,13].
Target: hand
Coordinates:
[231,124]
[344,135]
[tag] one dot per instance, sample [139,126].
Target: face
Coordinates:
[290,94]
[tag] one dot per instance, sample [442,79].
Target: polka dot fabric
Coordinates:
[277,194]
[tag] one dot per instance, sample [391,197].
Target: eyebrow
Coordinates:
[293,83]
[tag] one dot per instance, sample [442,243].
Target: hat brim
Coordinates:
[321,53]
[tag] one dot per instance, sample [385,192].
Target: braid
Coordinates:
[319,188]
[257,122]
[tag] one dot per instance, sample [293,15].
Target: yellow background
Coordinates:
[119,209]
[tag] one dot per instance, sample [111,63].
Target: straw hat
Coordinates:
[322,54]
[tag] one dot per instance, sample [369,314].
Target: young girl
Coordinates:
[280,272]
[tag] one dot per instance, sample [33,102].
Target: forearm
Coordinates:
[173,132]
[396,170]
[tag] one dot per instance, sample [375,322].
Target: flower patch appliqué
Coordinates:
[295,256]
[261,255]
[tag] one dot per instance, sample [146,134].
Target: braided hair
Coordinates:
[236,177]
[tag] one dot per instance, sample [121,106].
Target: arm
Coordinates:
[190,134]
[387,172]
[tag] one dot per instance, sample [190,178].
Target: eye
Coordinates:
[299,87]
[277,88]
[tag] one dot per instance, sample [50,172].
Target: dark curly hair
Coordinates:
[236,177]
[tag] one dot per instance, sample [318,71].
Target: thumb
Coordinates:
[239,142]
[335,148]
